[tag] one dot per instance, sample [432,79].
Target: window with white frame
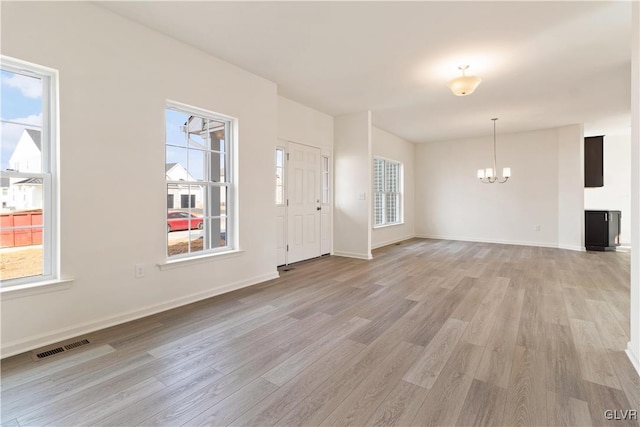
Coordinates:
[387,192]
[28,141]
[200,187]
[325,180]
[280,176]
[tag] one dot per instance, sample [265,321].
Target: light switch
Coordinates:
[362,196]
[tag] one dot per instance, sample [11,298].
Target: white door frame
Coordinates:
[326,245]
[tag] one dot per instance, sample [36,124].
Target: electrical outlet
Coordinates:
[536,227]
[139,270]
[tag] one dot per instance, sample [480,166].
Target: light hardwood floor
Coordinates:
[428,333]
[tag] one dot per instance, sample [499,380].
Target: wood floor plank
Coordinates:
[210,334]
[231,358]
[479,328]
[88,415]
[282,401]
[496,362]
[469,305]
[300,361]
[10,423]
[67,382]
[563,374]
[531,331]
[400,406]
[576,303]
[229,409]
[367,334]
[357,407]
[527,397]
[429,327]
[627,375]
[483,406]
[447,396]
[564,411]
[601,399]
[329,395]
[595,365]
[429,364]
[611,333]
[75,400]
[146,408]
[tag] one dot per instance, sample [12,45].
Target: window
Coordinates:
[199,181]
[28,173]
[325,180]
[387,191]
[279,177]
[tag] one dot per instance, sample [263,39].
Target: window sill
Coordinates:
[388,225]
[183,262]
[29,289]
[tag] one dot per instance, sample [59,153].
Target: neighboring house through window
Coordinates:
[200,187]
[28,173]
[387,192]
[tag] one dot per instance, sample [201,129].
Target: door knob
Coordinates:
[318,208]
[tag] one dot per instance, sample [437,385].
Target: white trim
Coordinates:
[34,288]
[501,242]
[353,255]
[391,242]
[391,224]
[27,344]
[633,357]
[50,163]
[385,193]
[231,216]
[198,259]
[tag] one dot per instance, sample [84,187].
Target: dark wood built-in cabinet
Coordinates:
[593,161]
[602,230]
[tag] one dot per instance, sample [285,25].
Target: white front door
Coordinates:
[304,206]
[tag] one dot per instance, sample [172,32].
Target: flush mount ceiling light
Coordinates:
[464,85]
[490,175]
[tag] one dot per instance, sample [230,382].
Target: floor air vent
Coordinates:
[67,347]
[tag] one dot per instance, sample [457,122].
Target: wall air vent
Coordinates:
[47,353]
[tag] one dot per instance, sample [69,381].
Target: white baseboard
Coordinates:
[28,344]
[633,357]
[353,255]
[501,242]
[391,242]
[572,248]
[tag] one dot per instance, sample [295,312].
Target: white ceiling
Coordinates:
[543,64]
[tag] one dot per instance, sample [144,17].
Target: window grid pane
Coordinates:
[279,177]
[325,180]
[386,187]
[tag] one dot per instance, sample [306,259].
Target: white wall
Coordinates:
[115,77]
[304,125]
[571,187]
[616,193]
[389,146]
[352,177]
[452,204]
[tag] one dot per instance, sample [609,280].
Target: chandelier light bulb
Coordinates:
[490,175]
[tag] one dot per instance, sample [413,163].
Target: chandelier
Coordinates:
[490,175]
[464,85]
